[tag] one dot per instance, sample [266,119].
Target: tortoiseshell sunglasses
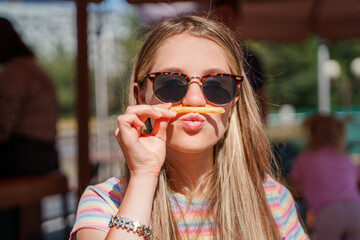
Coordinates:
[218,88]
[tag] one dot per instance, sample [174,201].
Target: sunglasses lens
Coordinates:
[170,88]
[219,89]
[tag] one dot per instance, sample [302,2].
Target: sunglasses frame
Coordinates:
[152,76]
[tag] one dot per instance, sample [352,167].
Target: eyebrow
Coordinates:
[214,70]
[207,71]
[172,69]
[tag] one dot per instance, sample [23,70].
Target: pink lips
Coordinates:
[193,122]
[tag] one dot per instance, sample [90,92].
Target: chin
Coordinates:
[192,144]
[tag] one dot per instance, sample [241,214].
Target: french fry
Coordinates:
[198,109]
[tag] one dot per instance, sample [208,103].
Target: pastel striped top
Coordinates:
[101,201]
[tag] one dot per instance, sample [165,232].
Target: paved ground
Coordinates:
[54,225]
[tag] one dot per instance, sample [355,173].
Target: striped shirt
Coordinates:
[101,201]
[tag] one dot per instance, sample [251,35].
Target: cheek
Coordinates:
[226,116]
[223,120]
[222,123]
[152,100]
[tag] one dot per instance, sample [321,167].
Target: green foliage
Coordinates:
[61,67]
[346,89]
[291,72]
[128,47]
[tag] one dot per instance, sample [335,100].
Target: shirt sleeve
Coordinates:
[291,226]
[97,204]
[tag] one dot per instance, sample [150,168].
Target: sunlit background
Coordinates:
[114,34]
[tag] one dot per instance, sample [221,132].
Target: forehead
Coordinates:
[190,55]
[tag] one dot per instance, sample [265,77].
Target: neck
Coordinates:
[187,168]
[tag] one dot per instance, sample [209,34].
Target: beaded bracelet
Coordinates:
[130,225]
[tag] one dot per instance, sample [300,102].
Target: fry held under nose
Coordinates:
[180,109]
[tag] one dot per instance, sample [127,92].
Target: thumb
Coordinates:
[160,127]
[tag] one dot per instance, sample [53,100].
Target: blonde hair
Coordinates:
[241,157]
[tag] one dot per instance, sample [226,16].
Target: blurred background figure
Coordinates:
[28,112]
[327,179]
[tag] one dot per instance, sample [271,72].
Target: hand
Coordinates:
[144,154]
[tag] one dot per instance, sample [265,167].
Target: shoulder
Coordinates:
[110,191]
[14,65]
[97,204]
[274,187]
[283,208]
[276,195]
[12,76]
[300,164]
[274,190]
[106,194]
[304,156]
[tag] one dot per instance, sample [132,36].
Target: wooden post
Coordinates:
[82,96]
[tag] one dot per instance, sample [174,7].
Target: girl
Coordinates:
[191,175]
[328,180]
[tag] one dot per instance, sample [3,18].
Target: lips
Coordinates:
[193,122]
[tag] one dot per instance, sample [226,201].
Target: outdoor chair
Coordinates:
[23,191]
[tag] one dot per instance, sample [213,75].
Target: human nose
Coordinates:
[194,95]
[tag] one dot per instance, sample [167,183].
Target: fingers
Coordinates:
[128,128]
[131,123]
[151,111]
[160,127]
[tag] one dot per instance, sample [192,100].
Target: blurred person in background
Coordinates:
[326,177]
[28,112]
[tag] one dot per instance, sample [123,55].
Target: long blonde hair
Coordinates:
[241,158]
